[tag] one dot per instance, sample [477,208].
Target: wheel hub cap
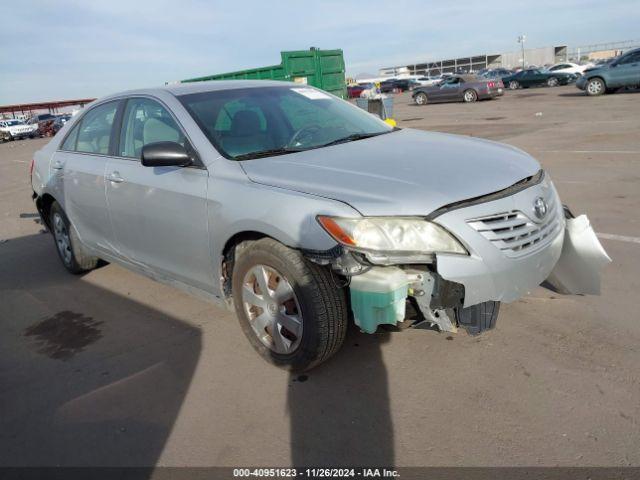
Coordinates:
[62,238]
[272,308]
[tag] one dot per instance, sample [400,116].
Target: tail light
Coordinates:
[491,84]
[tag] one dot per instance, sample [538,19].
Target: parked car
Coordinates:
[282,202]
[428,81]
[532,77]
[458,88]
[59,122]
[496,73]
[354,91]
[568,67]
[623,71]
[13,129]
[401,85]
[41,117]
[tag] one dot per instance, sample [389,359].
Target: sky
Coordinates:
[87,48]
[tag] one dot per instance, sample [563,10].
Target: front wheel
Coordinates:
[478,318]
[290,309]
[470,96]
[71,252]
[421,98]
[595,87]
[514,85]
[552,82]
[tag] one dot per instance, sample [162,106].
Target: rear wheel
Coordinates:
[514,85]
[470,96]
[553,81]
[73,255]
[289,308]
[595,87]
[421,98]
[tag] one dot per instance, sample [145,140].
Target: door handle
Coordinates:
[57,165]
[115,178]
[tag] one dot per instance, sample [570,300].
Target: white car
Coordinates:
[13,129]
[429,81]
[568,67]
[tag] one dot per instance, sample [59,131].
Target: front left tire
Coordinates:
[291,310]
[553,82]
[70,250]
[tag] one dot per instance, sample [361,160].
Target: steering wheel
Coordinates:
[309,131]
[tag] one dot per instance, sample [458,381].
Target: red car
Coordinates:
[354,91]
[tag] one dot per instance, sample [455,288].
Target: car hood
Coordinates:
[407,172]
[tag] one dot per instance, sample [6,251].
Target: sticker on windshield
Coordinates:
[311,93]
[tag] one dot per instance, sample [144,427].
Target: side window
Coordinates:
[145,121]
[632,58]
[69,143]
[94,133]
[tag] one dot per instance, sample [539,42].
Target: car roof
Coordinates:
[205,86]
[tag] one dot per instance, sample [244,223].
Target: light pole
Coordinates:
[521,40]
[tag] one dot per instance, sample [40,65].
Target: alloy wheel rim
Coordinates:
[553,82]
[513,85]
[62,238]
[468,96]
[421,99]
[272,309]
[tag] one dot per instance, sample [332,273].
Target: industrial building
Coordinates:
[532,56]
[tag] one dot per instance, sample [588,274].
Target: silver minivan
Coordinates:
[303,213]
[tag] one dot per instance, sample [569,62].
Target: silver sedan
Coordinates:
[302,213]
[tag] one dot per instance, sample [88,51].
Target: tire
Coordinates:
[514,85]
[478,318]
[311,297]
[71,252]
[553,82]
[421,98]
[470,96]
[595,86]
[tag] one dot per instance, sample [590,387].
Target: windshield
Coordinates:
[256,122]
[11,123]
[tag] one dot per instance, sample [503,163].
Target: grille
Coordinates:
[515,233]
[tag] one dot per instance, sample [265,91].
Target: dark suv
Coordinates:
[624,71]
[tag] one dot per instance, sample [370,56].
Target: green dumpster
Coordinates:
[320,68]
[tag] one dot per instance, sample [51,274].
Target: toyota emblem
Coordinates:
[540,207]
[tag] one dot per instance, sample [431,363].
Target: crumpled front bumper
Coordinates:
[571,258]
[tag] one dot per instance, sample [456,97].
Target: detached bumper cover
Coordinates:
[582,259]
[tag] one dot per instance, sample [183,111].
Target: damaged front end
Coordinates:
[455,269]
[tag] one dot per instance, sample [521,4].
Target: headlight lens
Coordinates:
[386,237]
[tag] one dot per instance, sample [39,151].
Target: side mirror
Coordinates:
[165,154]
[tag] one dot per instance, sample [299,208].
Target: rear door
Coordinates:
[79,168]
[159,214]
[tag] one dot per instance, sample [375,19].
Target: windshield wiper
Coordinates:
[353,137]
[267,153]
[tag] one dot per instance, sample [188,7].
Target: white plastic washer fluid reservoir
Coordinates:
[378,296]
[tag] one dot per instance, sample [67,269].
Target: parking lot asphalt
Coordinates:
[111,368]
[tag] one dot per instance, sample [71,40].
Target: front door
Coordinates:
[449,89]
[159,214]
[626,72]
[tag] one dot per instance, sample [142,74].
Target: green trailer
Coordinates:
[320,68]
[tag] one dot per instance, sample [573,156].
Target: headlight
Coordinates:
[392,239]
